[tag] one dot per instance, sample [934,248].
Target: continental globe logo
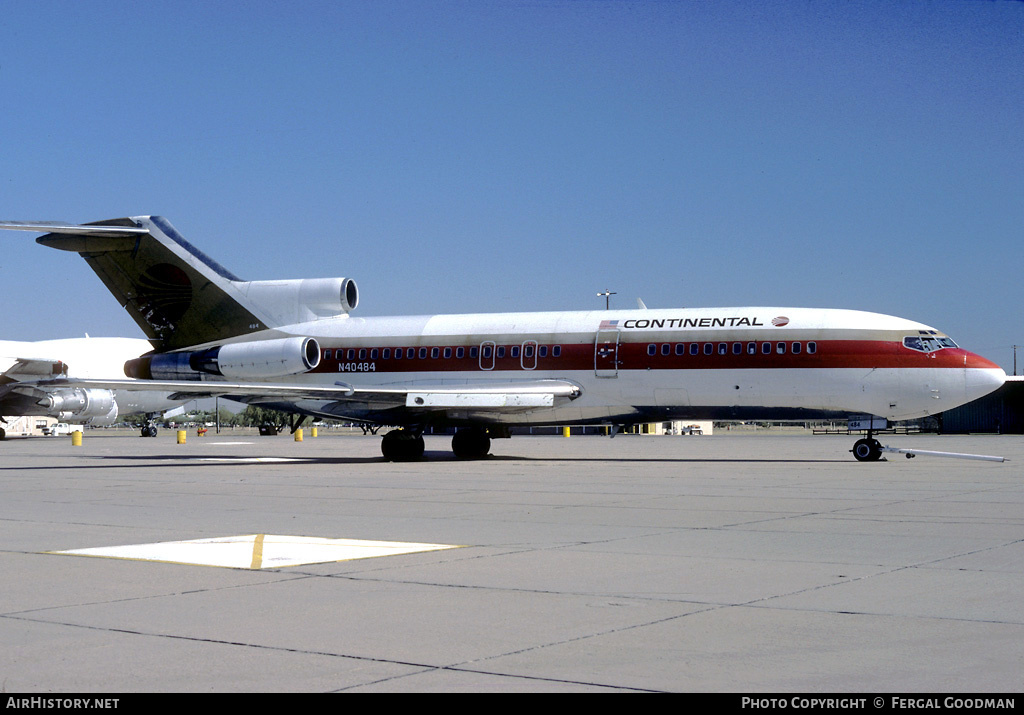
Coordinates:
[780,321]
[163,294]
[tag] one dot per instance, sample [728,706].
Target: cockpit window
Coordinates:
[927,343]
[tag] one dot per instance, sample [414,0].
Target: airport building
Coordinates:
[29,426]
[677,428]
[1001,412]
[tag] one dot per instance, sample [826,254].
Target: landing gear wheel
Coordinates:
[149,431]
[867,450]
[471,443]
[401,445]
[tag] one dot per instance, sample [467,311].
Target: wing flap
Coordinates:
[478,400]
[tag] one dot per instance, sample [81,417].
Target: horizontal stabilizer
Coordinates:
[178,295]
[104,230]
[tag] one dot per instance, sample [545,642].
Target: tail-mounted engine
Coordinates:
[252,360]
[81,406]
[298,301]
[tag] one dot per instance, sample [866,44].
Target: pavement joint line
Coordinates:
[426,667]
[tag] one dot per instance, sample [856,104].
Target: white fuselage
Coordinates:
[632,366]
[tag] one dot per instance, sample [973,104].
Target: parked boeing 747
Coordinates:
[293,345]
[23,364]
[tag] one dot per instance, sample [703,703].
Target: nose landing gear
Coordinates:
[868,449]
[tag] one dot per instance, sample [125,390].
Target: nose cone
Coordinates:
[982,376]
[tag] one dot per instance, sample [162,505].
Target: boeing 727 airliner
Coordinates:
[294,346]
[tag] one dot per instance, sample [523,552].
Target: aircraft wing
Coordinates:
[416,395]
[23,372]
[20,368]
[20,376]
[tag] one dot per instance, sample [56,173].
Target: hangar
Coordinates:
[1000,412]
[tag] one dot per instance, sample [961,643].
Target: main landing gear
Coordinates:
[471,443]
[868,449]
[402,445]
[406,444]
[149,429]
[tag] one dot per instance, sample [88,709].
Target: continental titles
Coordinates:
[732,322]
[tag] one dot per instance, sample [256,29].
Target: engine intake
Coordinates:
[251,360]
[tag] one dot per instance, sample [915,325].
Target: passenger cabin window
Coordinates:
[666,349]
[652,349]
[780,348]
[680,348]
[796,348]
[812,348]
[766,348]
[694,348]
[556,350]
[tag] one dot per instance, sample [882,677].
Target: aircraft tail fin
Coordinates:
[178,295]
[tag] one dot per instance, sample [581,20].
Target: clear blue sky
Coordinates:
[490,156]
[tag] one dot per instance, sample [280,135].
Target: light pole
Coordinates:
[607,299]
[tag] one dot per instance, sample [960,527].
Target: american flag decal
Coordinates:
[608,324]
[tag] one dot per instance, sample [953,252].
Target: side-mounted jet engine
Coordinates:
[252,360]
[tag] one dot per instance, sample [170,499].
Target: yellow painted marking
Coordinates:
[257,552]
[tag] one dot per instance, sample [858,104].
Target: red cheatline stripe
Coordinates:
[634,356]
